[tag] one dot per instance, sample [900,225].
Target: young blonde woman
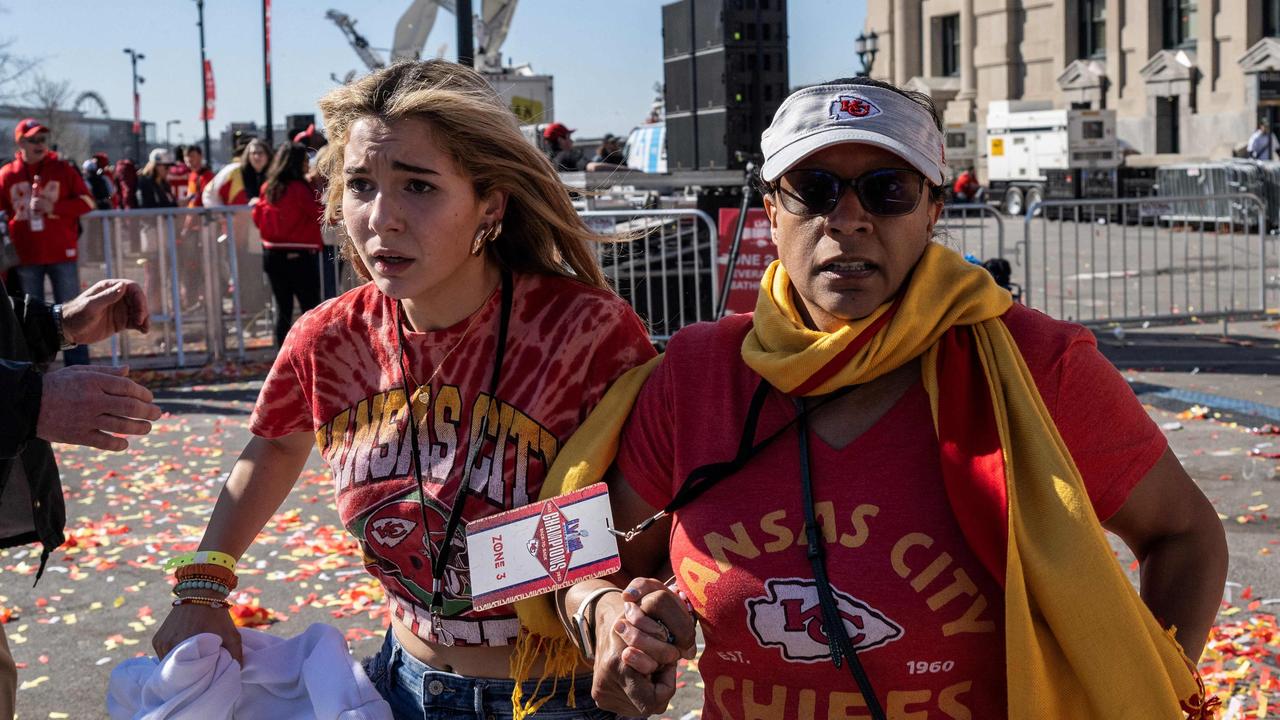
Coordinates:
[487,310]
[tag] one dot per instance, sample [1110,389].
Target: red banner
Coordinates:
[210,93]
[755,252]
[137,114]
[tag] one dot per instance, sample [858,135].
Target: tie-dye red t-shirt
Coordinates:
[338,376]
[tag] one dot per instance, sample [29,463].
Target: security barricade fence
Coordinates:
[975,229]
[1162,259]
[666,263]
[1176,257]
[210,300]
[202,271]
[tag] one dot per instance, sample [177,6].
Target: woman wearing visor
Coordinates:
[883,495]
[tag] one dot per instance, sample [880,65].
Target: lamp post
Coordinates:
[134,57]
[866,47]
[204,86]
[167,125]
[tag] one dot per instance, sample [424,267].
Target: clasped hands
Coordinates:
[641,635]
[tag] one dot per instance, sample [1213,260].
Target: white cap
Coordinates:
[818,117]
[160,156]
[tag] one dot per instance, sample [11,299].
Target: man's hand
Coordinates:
[91,405]
[103,310]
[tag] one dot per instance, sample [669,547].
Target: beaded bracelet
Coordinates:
[202,557]
[206,602]
[230,583]
[186,585]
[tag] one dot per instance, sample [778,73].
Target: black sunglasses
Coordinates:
[887,192]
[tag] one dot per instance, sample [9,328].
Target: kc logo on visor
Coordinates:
[852,107]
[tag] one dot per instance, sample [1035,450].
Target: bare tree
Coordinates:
[51,102]
[13,70]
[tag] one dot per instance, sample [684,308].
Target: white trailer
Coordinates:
[1035,152]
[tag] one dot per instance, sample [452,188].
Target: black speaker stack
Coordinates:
[725,73]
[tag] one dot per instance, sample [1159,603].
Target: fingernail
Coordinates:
[619,627]
[632,592]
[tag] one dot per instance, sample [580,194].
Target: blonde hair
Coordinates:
[541,231]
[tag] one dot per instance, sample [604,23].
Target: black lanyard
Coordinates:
[703,478]
[832,621]
[441,560]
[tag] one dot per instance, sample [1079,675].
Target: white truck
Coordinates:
[1036,152]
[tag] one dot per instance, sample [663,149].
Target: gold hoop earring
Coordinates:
[477,245]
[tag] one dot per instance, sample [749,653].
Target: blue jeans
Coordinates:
[416,691]
[65,278]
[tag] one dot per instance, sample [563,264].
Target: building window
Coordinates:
[1271,18]
[1093,29]
[950,45]
[1179,24]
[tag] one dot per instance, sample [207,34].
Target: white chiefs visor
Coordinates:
[818,117]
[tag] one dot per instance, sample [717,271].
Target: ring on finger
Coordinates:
[671,639]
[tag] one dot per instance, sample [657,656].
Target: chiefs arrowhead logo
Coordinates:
[390,531]
[789,617]
[852,107]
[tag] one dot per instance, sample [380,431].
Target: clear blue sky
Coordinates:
[605,55]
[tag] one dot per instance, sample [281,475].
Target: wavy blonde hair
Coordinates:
[541,231]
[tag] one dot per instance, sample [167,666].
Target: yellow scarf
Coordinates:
[1079,641]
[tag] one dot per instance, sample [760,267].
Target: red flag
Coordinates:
[137,114]
[209,91]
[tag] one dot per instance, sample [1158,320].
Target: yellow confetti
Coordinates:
[118,601]
[28,684]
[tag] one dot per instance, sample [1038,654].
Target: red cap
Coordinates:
[305,134]
[103,160]
[28,127]
[556,130]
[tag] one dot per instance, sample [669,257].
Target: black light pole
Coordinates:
[134,57]
[866,47]
[466,44]
[266,61]
[204,86]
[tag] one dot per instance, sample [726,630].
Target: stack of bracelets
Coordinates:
[204,578]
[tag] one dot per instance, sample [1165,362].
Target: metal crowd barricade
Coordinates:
[1174,258]
[1219,179]
[663,262]
[205,290]
[973,228]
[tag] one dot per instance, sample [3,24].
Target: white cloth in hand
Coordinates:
[311,676]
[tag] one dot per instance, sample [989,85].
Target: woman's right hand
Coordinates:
[186,621]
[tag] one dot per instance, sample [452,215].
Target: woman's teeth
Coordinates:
[849,267]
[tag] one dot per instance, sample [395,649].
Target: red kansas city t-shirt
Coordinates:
[338,376]
[925,615]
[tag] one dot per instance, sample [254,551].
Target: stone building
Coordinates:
[1186,77]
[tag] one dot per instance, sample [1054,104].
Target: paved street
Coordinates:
[103,595]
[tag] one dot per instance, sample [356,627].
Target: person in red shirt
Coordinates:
[44,198]
[287,213]
[198,176]
[485,336]
[966,188]
[883,494]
